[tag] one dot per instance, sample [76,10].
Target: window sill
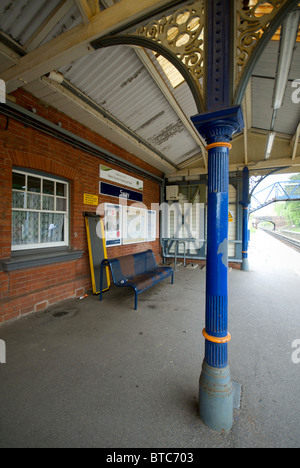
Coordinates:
[21,260]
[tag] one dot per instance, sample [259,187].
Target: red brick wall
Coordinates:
[34,289]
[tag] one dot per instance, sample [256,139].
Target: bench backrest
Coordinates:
[128,266]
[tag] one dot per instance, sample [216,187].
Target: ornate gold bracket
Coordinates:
[182,33]
[256,22]
[180,37]
[252,22]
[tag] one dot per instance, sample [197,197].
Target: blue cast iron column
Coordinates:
[245,204]
[215,387]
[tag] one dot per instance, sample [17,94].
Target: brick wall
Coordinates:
[34,289]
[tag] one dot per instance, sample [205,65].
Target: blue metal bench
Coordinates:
[138,271]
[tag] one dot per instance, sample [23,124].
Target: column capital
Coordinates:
[219,126]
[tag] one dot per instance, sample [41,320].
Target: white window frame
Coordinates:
[42,177]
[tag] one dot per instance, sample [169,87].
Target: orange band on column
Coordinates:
[218,145]
[215,339]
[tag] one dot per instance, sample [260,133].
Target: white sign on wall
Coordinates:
[120,178]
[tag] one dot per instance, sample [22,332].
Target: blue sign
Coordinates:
[120,192]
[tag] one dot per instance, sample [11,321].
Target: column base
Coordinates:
[245,264]
[216,398]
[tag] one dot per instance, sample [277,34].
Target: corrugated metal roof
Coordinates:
[116,79]
[70,20]
[89,120]
[20,19]
[181,93]
[288,116]
[263,83]
[262,94]
[267,64]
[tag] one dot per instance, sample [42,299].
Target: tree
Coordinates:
[291,209]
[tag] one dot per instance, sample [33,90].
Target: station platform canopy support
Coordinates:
[221,120]
[215,388]
[217,126]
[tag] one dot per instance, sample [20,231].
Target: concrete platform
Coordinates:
[91,374]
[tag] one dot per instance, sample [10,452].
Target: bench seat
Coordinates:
[138,271]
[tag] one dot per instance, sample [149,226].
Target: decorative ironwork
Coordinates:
[182,39]
[182,33]
[254,18]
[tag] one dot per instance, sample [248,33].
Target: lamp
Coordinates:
[270,142]
[289,31]
[287,42]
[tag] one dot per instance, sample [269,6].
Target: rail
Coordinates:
[199,245]
[294,243]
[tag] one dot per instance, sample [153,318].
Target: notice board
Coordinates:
[97,251]
[134,225]
[113,224]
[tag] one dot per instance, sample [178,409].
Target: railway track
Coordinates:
[295,244]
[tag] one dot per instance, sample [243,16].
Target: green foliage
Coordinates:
[291,209]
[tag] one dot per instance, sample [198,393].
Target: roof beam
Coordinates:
[144,57]
[94,6]
[9,53]
[247,109]
[252,165]
[85,10]
[294,142]
[75,43]
[46,27]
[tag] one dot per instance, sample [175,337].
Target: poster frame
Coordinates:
[128,212]
[151,228]
[113,241]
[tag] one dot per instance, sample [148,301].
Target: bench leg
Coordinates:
[135,301]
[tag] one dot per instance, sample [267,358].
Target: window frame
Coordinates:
[66,231]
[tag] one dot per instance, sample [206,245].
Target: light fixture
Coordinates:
[288,38]
[269,146]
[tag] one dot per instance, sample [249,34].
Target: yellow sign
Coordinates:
[89,199]
[230,217]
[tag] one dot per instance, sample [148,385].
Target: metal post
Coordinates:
[245,203]
[176,254]
[215,387]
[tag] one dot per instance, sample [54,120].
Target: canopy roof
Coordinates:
[134,96]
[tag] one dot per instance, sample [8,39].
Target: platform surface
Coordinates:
[91,374]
